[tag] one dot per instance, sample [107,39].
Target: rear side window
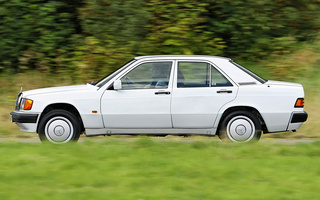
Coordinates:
[217,79]
[199,74]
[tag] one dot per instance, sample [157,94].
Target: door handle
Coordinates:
[224,91]
[162,92]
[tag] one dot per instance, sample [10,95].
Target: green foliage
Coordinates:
[303,62]
[112,33]
[93,59]
[85,38]
[180,28]
[122,21]
[255,29]
[34,34]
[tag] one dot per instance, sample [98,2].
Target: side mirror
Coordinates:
[117,85]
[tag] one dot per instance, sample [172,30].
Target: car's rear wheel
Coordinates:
[240,126]
[59,126]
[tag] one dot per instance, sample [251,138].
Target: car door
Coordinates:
[200,90]
[143,101]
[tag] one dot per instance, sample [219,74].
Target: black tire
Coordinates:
[240,126]
[59,126]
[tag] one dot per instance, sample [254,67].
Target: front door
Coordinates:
[143,101]
[199,92]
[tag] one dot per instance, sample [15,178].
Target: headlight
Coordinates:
[26,104]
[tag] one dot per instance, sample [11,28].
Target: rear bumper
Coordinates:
[299,117]
[19,117]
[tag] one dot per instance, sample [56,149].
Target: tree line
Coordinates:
[88,37]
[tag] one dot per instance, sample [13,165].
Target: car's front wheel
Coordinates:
[240,126]
[59,126]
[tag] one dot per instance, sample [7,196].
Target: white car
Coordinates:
[165,95]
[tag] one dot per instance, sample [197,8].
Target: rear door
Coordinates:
[200,89]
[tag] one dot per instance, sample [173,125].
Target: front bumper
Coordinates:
[19,117]
[27,122]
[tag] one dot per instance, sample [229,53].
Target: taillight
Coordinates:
[299,103]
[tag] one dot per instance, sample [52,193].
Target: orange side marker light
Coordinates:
[28,104]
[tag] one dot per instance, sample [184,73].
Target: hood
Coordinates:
[59,89]
[283,83]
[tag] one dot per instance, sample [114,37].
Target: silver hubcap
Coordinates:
[240,129]
[59,130]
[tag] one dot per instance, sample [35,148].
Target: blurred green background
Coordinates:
[61,42]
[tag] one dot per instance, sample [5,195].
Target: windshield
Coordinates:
[255,76]
[109,77]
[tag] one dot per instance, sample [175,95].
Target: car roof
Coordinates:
[181,57]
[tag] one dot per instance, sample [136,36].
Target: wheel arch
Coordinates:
[62,106]
[253,110]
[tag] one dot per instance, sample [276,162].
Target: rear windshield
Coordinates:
[253,75]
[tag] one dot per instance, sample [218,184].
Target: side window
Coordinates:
[193,74]
[147,76]
[217,79]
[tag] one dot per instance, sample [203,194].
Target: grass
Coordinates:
[152,169]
